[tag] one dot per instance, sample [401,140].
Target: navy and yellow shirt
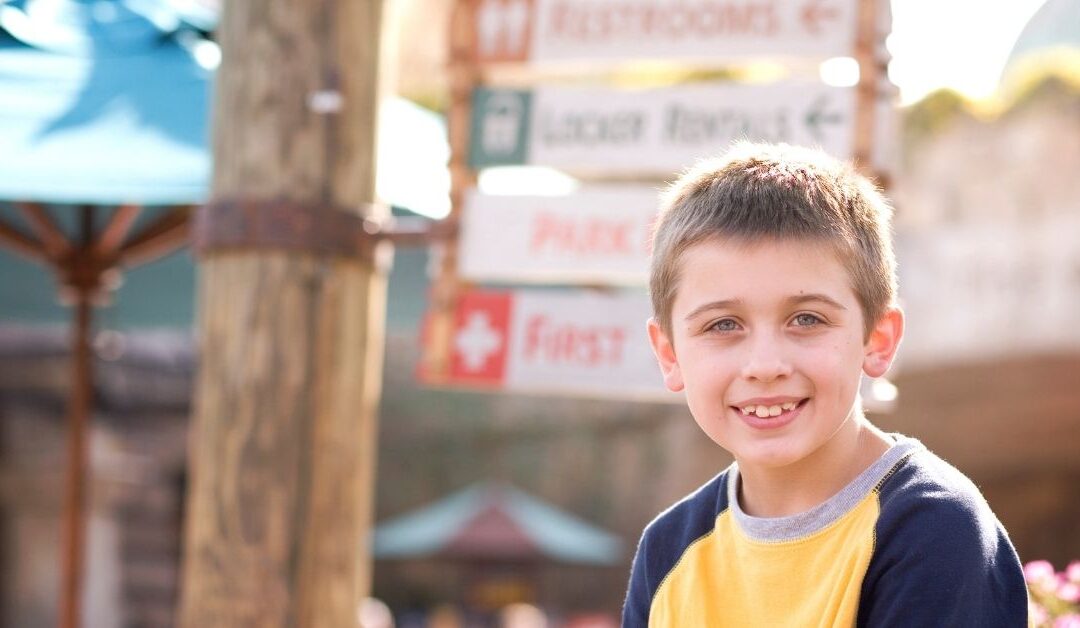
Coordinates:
[910,542]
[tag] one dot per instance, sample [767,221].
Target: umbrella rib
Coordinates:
[114,233]
[22,244]
[161,237]
[53,240]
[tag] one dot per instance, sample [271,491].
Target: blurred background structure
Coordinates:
[987,223]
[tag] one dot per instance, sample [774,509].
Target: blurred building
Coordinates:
[988,212]
[987,224]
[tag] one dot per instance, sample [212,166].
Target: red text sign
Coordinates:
[561,342]
[598,235]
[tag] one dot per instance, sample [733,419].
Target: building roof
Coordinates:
[1055,25]
[490,521]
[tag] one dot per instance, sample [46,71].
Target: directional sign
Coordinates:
[598,235]
[613,131]
[555,342]
[705,30]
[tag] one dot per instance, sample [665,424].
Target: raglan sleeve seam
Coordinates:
[942,560]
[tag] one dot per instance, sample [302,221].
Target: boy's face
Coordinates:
[768,342]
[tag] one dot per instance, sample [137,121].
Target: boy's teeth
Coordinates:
[768,411]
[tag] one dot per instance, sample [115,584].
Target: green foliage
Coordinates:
[934,113]
[1038,79]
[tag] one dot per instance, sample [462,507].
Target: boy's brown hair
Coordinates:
[775,191]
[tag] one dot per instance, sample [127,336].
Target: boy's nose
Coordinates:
[765,362]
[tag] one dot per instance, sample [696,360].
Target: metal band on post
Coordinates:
[277,224]
[319,229]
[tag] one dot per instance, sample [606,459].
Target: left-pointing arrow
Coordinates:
[818,115]
[813,13]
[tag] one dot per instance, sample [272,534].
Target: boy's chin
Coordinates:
[760,455]
[768,456]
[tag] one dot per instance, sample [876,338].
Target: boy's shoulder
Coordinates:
[688,519]
[927,488]
[937,543]
[928,502]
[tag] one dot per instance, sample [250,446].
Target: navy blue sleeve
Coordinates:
[663,543]
[638,594]
[941,557]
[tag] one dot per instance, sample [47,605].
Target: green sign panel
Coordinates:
[500,127]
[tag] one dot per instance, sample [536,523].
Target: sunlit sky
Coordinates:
[960,44]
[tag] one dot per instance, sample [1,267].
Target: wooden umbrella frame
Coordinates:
[87,268]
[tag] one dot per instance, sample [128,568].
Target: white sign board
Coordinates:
[598,235]
[605,130]
[555,342]
[986,291]
[687,30]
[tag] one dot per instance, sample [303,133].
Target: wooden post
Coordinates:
[447,286]
[872,71]
[74,522]
[283,443]
[75,490]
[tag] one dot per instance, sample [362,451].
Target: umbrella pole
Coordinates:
[78,415]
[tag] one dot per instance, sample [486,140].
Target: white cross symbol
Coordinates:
[477,340]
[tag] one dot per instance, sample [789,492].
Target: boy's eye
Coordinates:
[807,320]
[725,324]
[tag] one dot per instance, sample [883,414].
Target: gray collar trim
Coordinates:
[804,524]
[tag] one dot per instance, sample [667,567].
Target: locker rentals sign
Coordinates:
[652,131]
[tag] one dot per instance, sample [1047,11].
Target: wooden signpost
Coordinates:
[599,235]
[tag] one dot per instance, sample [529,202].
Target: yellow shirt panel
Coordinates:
[728,579]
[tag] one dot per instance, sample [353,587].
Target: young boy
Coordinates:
[773,287]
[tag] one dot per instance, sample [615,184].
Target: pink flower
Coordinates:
[1072,572]
[1072,620]
[1038,572]
[1068,591]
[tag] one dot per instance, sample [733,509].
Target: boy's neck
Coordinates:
[796,488]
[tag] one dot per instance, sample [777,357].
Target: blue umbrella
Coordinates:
[101,107]
[104,113]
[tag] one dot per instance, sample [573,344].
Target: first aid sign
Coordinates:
[548,341]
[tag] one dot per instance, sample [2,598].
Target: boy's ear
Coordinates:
[664,349]
[883,342]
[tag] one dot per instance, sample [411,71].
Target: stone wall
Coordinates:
[137,445]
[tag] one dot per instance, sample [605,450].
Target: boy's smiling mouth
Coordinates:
[770,408]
